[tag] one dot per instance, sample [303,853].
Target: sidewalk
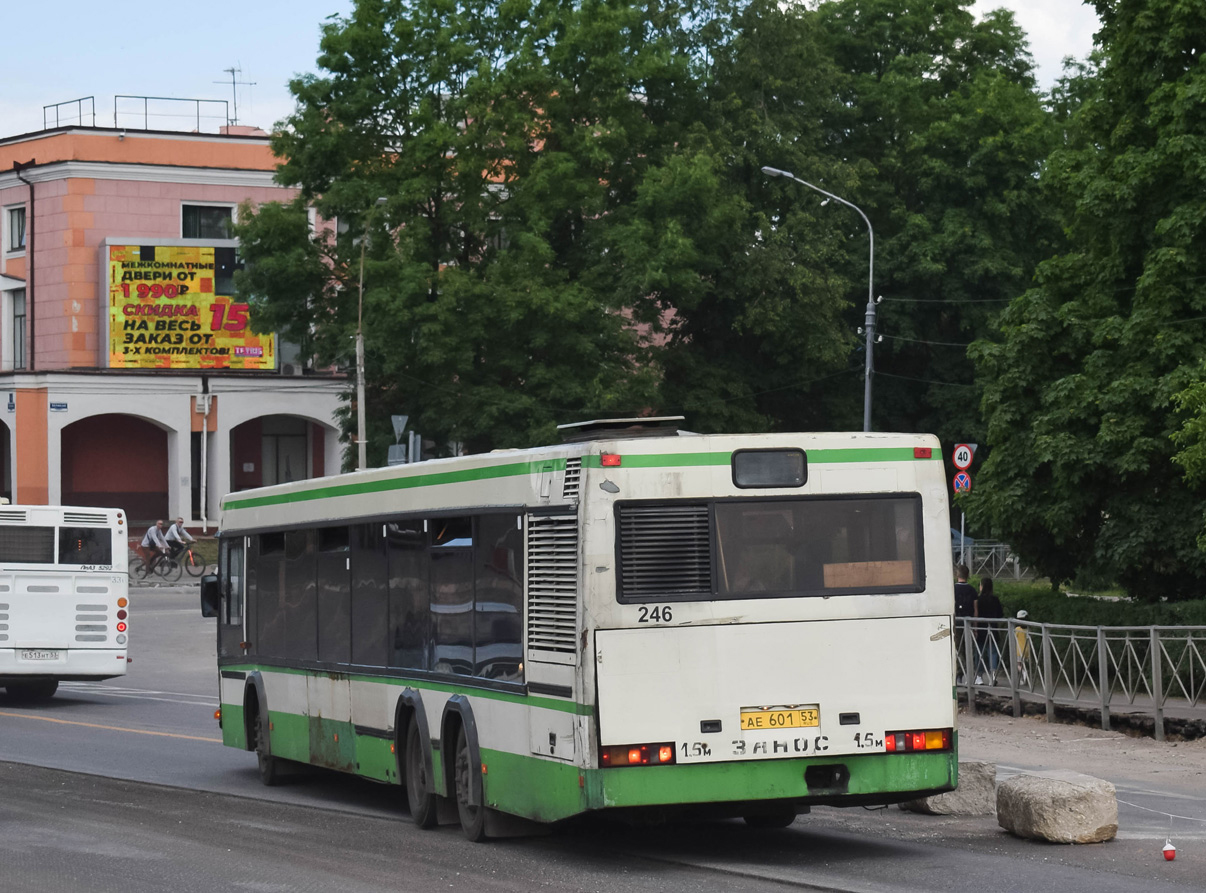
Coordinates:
[1182,720]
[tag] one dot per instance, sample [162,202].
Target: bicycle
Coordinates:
[164,567]
[191,564]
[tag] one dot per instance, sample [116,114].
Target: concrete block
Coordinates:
[1061,807]
[975,795]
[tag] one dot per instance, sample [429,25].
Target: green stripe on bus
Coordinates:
[410,482]
[772,779]
[817,457]
[425,685]
[518,469]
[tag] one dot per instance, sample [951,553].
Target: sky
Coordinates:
[68,49]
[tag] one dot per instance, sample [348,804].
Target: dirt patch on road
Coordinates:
[1032,741]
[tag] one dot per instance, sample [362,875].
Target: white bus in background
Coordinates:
[680,625]
[63,597]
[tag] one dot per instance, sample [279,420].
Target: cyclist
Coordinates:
[154,546]
[178,538]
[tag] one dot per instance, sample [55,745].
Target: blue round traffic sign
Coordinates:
[962,481]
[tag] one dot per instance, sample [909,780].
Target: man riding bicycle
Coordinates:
[153,546]
[178,538]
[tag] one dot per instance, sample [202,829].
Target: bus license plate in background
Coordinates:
[40,655]
[754,718]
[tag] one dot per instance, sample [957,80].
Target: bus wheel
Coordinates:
[37,690]
[419,795]
[270,767]
[473,818]
[771,819]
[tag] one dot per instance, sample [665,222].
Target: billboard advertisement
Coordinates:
[173,307]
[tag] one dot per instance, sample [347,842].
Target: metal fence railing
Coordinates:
[1147,669]
[990,559]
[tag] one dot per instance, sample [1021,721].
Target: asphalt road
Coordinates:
[124,786]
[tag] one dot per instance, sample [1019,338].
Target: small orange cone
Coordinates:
[1170,851]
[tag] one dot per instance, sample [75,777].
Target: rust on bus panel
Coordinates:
[332,744]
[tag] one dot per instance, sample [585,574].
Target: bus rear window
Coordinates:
[771,548]
[819,546]
[27,545]
[769,468]
[85,545]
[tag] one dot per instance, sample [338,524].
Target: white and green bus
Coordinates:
[638,619]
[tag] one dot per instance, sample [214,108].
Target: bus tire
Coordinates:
[473,817]
[771,819]
[34,690]
[420,796]
[271,768]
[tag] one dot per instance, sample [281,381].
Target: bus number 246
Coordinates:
[656,614]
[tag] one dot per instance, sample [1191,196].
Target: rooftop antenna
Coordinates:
[235,83]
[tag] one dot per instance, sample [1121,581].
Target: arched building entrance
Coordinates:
[276,449]
[116,461]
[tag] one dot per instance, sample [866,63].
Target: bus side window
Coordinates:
[231,574]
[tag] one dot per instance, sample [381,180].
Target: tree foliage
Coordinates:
[941,115]
[575,222]
[1081,392]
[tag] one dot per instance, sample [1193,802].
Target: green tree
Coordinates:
[1081,393]
[498,135]
[733,273]
[940,115]
[568,228]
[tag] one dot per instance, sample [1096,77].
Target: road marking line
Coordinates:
[93,725]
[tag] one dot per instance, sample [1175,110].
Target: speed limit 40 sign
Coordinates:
[962,456]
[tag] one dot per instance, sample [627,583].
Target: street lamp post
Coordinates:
[361,440]
[869,323]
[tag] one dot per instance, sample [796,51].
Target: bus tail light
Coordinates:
[610,460]
[911,742]
[637,755]
[121,627]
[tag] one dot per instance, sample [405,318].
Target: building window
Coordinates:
[16,229]
[18,329]
[206,221]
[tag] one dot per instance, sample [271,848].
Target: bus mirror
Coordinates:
[211,596]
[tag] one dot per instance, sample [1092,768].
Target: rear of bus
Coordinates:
[778,634]
[63,597]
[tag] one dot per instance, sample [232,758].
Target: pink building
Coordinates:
[128,373]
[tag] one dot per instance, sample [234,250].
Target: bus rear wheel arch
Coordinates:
[463,768]
[413,748]
[259,735]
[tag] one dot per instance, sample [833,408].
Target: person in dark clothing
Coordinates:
[965,593]
[988,607]
[965,606]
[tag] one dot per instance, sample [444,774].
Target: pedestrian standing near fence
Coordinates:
[988,607]
[1023,639]
[965,606]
